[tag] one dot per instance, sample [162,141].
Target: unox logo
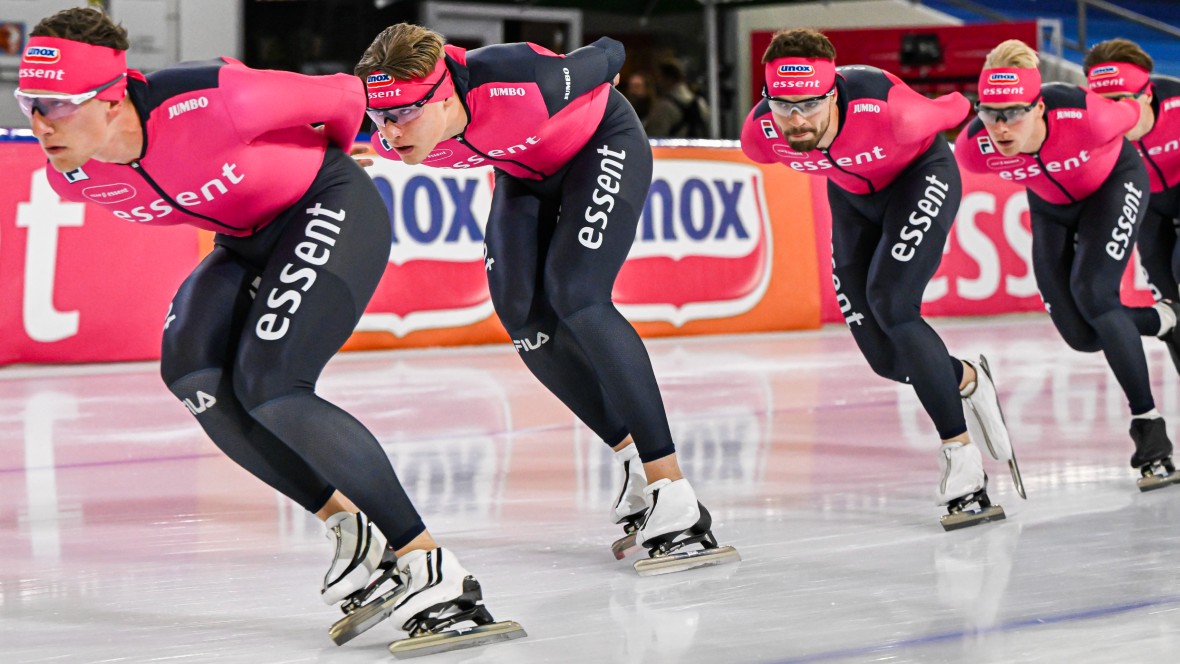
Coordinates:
[379,80]
[702,249]
[1105,71]
[437,218]
[108,194]
[439,154]
[795,71]
[1003,78]
[42,55]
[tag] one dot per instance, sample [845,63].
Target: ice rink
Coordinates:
[126,536]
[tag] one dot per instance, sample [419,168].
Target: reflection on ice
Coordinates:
[124,532]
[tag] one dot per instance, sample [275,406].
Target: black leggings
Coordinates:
[551,282]
[886,246]
[252,327]
[1080,252]
[1157,243]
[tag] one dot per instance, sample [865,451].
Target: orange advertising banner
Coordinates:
[80,285]
[705,260]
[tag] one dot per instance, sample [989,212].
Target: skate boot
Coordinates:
[964,485]
[675,519]
[985,419]
[1153,454]
[437,595]
[1171,335]
[350,581]
[629,504]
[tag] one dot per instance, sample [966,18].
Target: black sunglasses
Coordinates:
[1008,115]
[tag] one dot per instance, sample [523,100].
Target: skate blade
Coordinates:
[1017,479]
[1158,481]
[624,545]
[358,622]
[430,644]
[968,518]
[686,560]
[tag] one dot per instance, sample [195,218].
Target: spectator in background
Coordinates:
[640,91]
[678,111]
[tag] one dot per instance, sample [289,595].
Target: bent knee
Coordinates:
[254,388]
[1084,341]
[891,313]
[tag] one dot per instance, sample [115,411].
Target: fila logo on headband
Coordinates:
[42,55]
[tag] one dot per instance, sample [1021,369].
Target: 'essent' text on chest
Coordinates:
[207,192]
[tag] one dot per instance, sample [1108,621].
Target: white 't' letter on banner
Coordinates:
[43,215]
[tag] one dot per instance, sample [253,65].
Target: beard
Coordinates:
[805,145]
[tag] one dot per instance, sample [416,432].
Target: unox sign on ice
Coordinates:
[435,277]
[702,249]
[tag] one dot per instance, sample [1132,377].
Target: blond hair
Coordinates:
[1012,53]
[404,51]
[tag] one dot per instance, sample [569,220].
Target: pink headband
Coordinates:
[795,76]
[1120,77]
[69,67]
[386,92]
[1005,85]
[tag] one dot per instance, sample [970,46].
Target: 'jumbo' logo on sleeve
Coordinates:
[186,106]
[1003,78]
[379,80]
[794,71]
[1105,71]
[42,55]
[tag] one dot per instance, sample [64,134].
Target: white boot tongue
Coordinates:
[336,519]
[656,486]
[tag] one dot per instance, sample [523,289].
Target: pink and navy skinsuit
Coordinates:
[894,189]
[1160,151]
[1087,193]
[561,138]
[302,240]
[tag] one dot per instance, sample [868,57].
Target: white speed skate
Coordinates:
[675,519]
[963,487]
[985,419]
[630,505]
[359,569]
[437,594]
